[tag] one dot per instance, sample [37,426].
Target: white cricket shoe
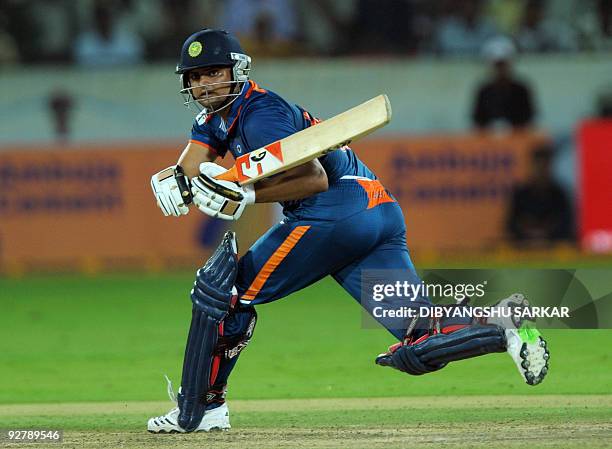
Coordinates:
[524,342]
[215,419]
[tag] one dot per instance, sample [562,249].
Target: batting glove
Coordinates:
[171,189]
[220,199]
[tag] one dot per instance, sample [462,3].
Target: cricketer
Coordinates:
[339,220]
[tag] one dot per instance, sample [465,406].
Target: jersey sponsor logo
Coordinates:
[260,161]
[222,126]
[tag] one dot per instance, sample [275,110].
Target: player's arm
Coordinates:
[171,186]
[227,200]
[193,155]
[294,184]
[269,124]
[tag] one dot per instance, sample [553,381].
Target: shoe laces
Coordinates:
[170,390]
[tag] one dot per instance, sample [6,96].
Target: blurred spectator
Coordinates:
[502,99]
[326,24]
[506,14]
[9,54]
[604,8]
[540,33]
[594,24]
[353,27]
[464,30]
[15,24]
[540,212]
[383,27]
[426,18]
[42,31]
[124,31]
[604,103]
[147,18]
[175,20]
[264,27]
[60,106]
[55,25]
[106,43]
[164,24]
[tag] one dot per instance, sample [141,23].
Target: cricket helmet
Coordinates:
[212,48]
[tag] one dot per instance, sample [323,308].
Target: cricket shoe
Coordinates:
[524,342]
[529,351]
[215,419]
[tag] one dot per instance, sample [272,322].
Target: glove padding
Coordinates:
[220,199]
[171,189]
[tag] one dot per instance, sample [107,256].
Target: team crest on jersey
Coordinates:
[238,149]
[195,48]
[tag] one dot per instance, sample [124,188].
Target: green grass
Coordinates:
[361,417]
[111,338]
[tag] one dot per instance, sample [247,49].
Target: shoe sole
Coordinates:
[525,344]
[217,427]
[530,353]
[212,429]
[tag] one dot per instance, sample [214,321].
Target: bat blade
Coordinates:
[311,142]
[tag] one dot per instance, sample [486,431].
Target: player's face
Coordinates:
[211,85]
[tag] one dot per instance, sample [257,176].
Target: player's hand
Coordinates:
[171,189]
[220,199]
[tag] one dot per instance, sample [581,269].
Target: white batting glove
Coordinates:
[220,199]
[171,189]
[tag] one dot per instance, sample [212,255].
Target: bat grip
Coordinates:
[184,185]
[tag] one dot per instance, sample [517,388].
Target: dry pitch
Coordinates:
[583,421]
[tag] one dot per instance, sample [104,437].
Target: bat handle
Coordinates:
[230,175]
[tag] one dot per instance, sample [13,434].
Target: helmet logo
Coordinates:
[195,49]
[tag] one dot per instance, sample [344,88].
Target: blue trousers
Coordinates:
[296,253]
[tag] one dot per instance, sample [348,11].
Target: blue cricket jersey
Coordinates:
[259,117]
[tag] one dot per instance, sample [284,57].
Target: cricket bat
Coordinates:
[311,142]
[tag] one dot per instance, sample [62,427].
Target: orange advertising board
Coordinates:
[92,208]
[453,189]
